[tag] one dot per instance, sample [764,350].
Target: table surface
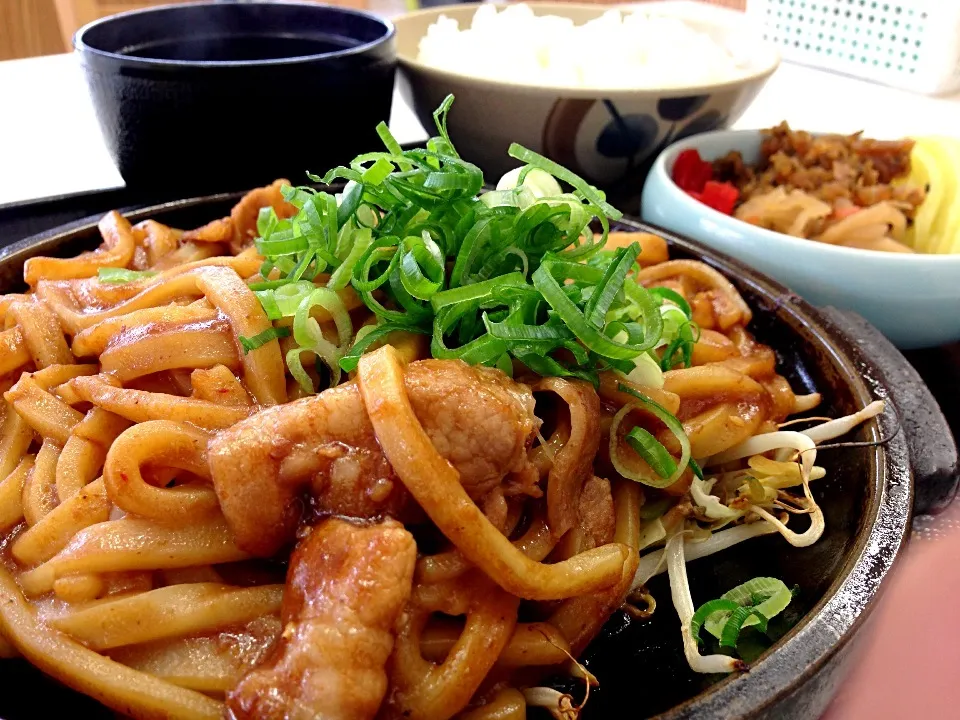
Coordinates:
[52,145]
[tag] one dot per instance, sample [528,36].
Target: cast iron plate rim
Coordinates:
[849,598]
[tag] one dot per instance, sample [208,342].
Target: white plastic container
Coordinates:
[912,44]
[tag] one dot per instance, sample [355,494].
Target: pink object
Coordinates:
[908,663]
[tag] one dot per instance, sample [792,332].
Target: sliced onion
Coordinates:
[759,444]
[651,564]
[712,507]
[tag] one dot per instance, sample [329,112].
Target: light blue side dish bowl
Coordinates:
[912,299]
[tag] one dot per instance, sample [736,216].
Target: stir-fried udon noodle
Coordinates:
[191,530]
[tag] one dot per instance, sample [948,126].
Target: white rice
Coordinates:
[617,50]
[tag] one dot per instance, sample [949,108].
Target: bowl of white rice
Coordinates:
[600,90]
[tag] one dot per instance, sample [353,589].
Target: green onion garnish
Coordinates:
[309,336]
[674,297]
[707,610]
[695,467]
[680,333]
[122,275]
[731,629]
[680,349]
[754,602]
[262,338]
[646,446]
[652,451]
[492,278]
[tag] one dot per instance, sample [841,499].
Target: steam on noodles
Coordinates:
[394,453]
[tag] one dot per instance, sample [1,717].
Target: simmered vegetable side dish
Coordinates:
[396,452]
[897,196]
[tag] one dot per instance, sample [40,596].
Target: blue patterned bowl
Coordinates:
[609,137]
[912,299]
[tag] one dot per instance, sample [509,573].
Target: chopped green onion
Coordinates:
[756,590]
[341,276]
[652,451]
[707,610]
[568,311]
[362,343]
[267,284]
[349,202]
[476,292]
[391,144]
[505,365]
[122,275]
[673,296]
[440,120]
[558,171]
[286,242]
[269,304]
[426,254]
[381,250]
[421,266]
[736,621]
[612,282]
[309,336]
[646,372]
[262,338]
[668,419]
[295,364]
[695,467]
[288,297]
[266,221]
[485,349]
[378,172]
[683,344]
[520,197]
[767,596]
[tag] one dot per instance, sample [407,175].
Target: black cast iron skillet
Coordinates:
[868,499]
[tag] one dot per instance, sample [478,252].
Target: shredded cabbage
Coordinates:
[711,505]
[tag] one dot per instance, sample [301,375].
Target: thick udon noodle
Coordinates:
[121,576]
